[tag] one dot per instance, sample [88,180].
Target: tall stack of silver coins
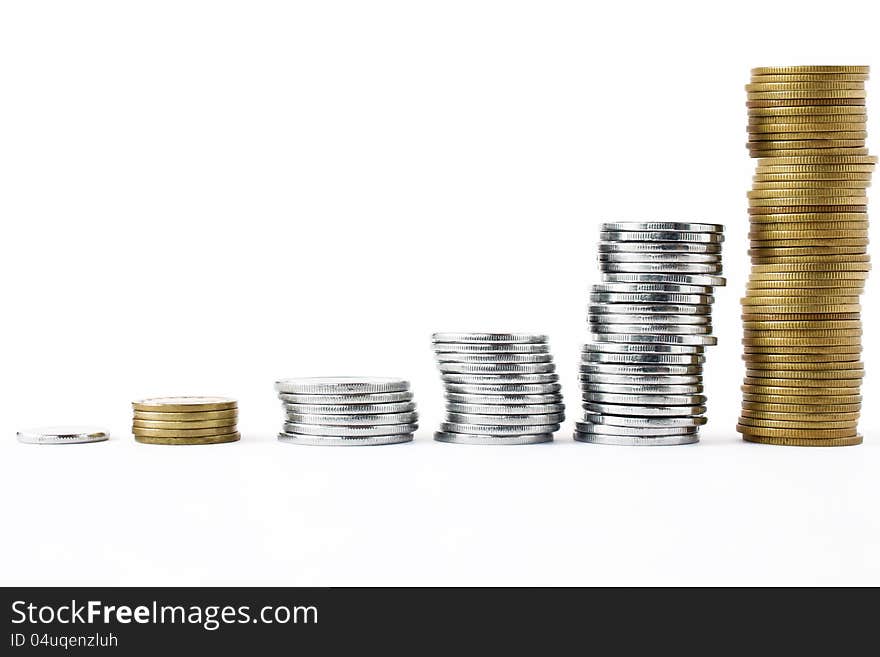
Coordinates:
[501,388]
[650,319]
[347,411]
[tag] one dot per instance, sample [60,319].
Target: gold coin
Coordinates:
[781,317]
[807,375]
[825,233]
[204,440]
[780,363]
[814,146]
[186,417]
[814,160]
[799,294]
[812,253]
[814,70]
[781,260]
[757,139]
[815,228]
[814,300]
[792,199]
[802,185]
[826,130]
[803,442]
[777,285]
[179,433]
[803,400]
[791,359]
[825,386]
[797,424]
[186,425]
[802,152]
[803,434]
[860,243]
[828,104]
[810,77]
[797,122]
[795,325]
[809,267]
[831,343]
[813,417]
[798,391]
[813,217]
[815,177]
[822,351]
[802,333]
[801,85]
[791,192]
[807,94]
[768,110]
[805,209]
[802,408]
[806,275]
[184,404]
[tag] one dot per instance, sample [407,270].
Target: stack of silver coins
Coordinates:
[347,411]
[501,388]
[650,320]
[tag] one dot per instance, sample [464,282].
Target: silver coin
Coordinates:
[686,226]
[645,399]
[357,399]
[491,348]
[657,329]
[645,358]
[636,441]
[642,422]
[349,432]
[344,441]
[660,236]
[465,419]
[633,348]
[504,368]
[504,409]
[62,435]
[651,318]
[673,380]
[640,388]
[504,389]
[448,357]
[635,288]
[350,409]
[658,247]
[626,410]
[340,385]
[498,430]
[501,338]
[652,298]
[684,279]
[640,369]
[485,439]
[659,267]
[500,379]
[611,430]
[656,339]
[646,309]
[647,256]
[503,400]
[353,420]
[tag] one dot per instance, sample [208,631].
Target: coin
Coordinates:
[349,431]
[344,441]
[807,376]
[497,420]
[498,359]
[661,236]
[497,379]
[639,369]
[657,340]
[651,298]
[490,439]
[640,422]
[798,70]
[502,368]
[340,385]
[659,267]
[653,319]
[803,442]
[672,381]
[184,404]
[646,432]
[339,420]
[643,388]
[789,417]
[489,337]
[470,410]
[804,400]
[801,383]
[196,416]
[645,399]
[688,329]
[186,425]
[351,409]
[554,399]
[810,77]
[640,309]
[627,410]
[181,433]
[661,226]
[786,365]
[609,439]
[802,408]
[344,399]
[645,358]
[695,248]
[667,277]
[503,389]
[498,430]
[200,440]
[491,348]
[692,258]
[799,391]
[804,434]
[67,435]
[796,424]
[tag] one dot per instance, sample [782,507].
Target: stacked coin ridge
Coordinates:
[501,388]
[347,411]
[185,420]
[650,320]
[808,245]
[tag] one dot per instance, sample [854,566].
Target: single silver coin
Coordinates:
[340,385]
[636,441]
[657,329]
[635,288]
[344,441]
[673,380]
[644,358]
[501,338]
[641,226]
[651,318]
[648,309]
[684,279]
[491,348]
[652,298]
[640,369]
[349,409]
[642,422]
[349,431]
[640,388]
[658,247]
[635,348]
[659,267]
[627,410]
[645,399]
[500,379]
[353,420]
[62,435]
[504,409]
[354,400]
[499,359]
[503,400]
[485,439]
[504,389]
[657,339]
[499,429]
[660,236]
[501,369]
[611,430]
[465,419]
[647,256]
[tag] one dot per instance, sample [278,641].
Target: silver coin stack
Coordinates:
[501,388]
[347,411]
[650,320]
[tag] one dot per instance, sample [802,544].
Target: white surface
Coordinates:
[200,198]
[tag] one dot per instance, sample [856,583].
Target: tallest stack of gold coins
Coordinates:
[808,244]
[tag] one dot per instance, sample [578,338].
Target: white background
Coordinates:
[202,197]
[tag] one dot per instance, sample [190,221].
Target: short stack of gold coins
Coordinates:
[808,245]
[185,420]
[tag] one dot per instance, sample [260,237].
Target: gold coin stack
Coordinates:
[185,420]
[808,244]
